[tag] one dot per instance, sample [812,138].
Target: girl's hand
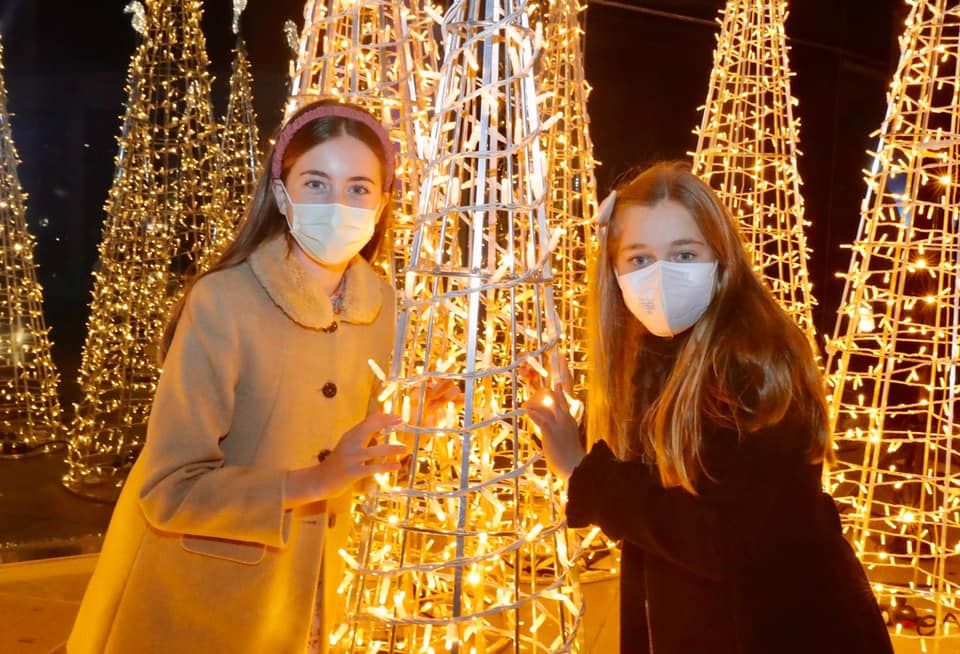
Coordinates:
[558,370]
[438,395]
[561,438]
[352,460]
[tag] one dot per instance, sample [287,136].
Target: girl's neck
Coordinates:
[665,346]
[327,277]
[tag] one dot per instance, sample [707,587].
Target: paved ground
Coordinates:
[39,518]
[39,599]
[48,541]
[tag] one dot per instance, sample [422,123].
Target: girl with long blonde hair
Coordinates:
[708,427]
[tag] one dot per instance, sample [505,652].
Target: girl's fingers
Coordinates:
[541,419]
[566,376]
[560,373]
[378,468]
[448,394]
[535,414]
[375,422]
[453,393]
[378,451]
[529,376]
[560,398]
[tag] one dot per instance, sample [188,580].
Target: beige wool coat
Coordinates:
[200,555]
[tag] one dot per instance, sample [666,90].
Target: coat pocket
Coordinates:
[221,548]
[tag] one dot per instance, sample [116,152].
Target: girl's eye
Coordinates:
[639,260]
[686,256]
[316,185]
[359,189]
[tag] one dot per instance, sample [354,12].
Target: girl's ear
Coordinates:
[279,196]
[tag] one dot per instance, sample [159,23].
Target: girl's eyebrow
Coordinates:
[679,241]
[320,173]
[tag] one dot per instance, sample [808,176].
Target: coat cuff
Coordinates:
[264,513]
[586,485]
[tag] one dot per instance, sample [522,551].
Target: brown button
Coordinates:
[322,455]
[332,520]
[329,389]
[332,327]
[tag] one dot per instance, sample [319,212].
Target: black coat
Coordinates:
[754,564]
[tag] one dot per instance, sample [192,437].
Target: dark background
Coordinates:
[647,60]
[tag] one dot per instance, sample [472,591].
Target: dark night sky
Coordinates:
[66,62]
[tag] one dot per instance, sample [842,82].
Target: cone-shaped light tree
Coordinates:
[747,149]
[894,360]
[571,201]
[466,550]
[239,158]
[29,407]
[381,55]
[163,220]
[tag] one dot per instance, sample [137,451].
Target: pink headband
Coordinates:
[341,111]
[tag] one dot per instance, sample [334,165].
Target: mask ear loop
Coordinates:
[604,214]
[605,210]
[288,204]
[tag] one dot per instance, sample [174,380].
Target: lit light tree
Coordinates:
[382,56]
[747,149]
[571,200]
[466,550]
[572,194]
[163,218]
[29,407]
[895,355]
[239,140]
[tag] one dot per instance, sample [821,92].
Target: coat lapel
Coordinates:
[288,285]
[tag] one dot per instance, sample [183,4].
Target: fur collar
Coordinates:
[288,285]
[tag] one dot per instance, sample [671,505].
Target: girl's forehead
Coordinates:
[664,221]
[339,155]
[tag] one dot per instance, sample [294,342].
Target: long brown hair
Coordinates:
[263,220]
[744,365]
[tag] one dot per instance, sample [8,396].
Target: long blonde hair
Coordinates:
[263,219]
[744,365]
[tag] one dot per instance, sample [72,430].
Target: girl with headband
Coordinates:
[709,429]
[225,536]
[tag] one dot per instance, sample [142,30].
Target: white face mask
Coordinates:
[668,297]
[331,233]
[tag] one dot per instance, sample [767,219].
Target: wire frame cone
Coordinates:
[164,218]
[747,149]
[466,550]
[894,357]
[571,202]
[382,56]
[29,407]
[239,160]
[572,195]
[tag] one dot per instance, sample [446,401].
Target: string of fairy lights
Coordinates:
[239,153]
[382,56]
[164,218]
[571,206]
[465,551]
[895,353]
[572,197]
[747,147]
[29,404]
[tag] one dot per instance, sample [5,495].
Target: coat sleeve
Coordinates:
[386,330]
[188,488]
[712,535]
